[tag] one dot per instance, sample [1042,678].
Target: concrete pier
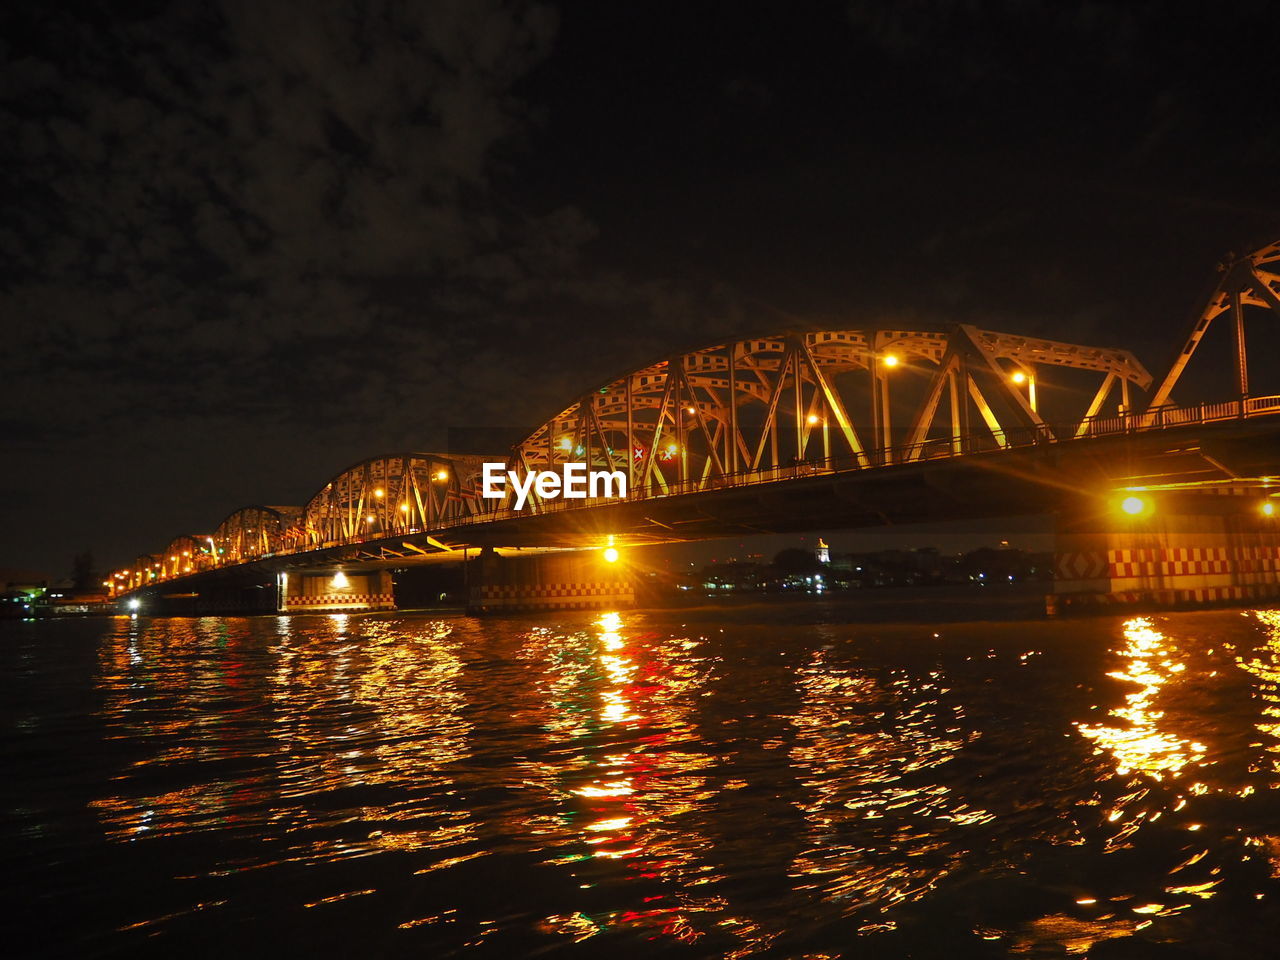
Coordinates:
[336,592]
[581,580]
[1167,548]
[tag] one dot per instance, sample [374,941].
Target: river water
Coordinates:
[754,781]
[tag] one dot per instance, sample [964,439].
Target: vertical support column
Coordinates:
[798,401]
[678,412]
[957,430]
[877,418]
[732,459]
[631,442]
[1242,360]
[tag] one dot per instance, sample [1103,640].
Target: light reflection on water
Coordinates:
[879,821]
[729,785]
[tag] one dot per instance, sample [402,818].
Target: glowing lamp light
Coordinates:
[1133,505]
[611,555]
[442,475]
[404,508]
[566,443]
[340,581]
[690,409]
[379,493]
[1018,377]
[370,518]
[889,360]
[1268,509]
[134,603]
[813,418]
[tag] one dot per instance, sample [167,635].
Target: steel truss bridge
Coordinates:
[842,427]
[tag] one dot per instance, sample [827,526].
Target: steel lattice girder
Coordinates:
[723,406]
[390,495]
[1246,282]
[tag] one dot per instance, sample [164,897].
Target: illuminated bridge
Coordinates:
[806,429]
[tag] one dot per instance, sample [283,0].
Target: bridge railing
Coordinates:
[1160,418]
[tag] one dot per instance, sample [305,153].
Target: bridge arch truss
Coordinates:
[392,495]
[773,406]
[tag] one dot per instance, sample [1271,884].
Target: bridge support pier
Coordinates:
[551,581]
[336,592]
[1175,549]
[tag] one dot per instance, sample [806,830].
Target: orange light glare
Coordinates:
[1268,509]
[889,360]
[1133,505]
[611,555]
[1019,377]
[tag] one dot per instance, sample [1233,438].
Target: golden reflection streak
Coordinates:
[384,708]
[878,835]
[1140,744]
[625,766]
[1267,670]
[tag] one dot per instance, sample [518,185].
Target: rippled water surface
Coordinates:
[715,783]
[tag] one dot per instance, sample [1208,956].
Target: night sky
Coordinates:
[246,245]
